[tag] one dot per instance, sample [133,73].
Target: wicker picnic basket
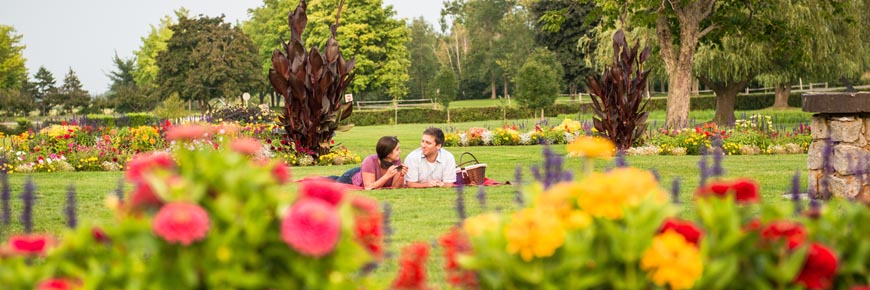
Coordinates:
[470,173]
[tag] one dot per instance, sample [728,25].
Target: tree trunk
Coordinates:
[492,88]
[678,60]
[783,91]
[448,114]
[726,97]
[505,90]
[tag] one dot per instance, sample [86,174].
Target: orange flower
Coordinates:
[591,147]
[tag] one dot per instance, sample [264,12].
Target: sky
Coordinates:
[85,34]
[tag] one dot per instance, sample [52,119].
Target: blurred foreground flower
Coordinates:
[671,260]
[181,222]
[591,147]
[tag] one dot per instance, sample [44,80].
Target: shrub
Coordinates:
[537,82]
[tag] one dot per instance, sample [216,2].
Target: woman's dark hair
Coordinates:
[385,146]
[437,133]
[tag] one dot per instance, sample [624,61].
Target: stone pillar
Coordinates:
[840,130]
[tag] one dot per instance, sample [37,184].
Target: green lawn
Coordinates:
[418,214]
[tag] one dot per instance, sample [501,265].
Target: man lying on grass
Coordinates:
[430,165]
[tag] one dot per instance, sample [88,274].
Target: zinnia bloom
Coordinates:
[591,147]
[143,163]
[671,260]
[607,194]
[687,229]
[30,244]
[281,173]
[311,227]
[368,225]
[534,232]
[744,190]
[819,269]
[57,284]
[186,132]
[181,222]
[792,232]
[412,267]
[456,243]
[143,196]
[248,146]
[328,191]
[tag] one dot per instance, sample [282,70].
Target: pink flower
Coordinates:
[249,146]
[186,132]
[328,191]
[57,284]
[311,227]
[144,163]
[143,196]
[281,173]
[30,244]
[181,222]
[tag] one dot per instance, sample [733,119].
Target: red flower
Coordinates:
[365,204]
[57,284]
[312,227]
[186,132]
[144,163]
[412,267]
[281,173]
[325,190]
[30,244]
[181,222]
[143,196]
[860,287]
[368,224]
[99,235]
[744,190]
[248,146]
[753,225]
[793,233]
[819,268]
[455,243]
[687,229]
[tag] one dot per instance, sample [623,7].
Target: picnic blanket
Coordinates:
[486,182]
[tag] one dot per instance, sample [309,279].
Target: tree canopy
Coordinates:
[207,58]
[152,44]
[71,94]
[421,47]
[12,71]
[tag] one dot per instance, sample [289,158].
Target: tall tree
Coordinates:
[207,58]
[679,26]
[12,71]
[538,80]
[266,27]
[453,47]
[446,88]
[482,18]
[71,94]
[152,44]
[422,46]
[514,45]
[45,90]
[726,68]
[124,94]
[382,59]
[560,25]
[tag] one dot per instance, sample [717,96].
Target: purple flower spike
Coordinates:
[119,191]
[675,191]
[718,154]
[536,173]
[655,174]
[70,210]
[518,194]
[388,229]
[796,192]
[620,161]
[481,197]
[460,203]
[828,168]
[27,212]
[4,199]
[702,166]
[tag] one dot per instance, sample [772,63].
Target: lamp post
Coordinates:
[246,97]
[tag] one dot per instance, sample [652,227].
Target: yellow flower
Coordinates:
[591,147]
[672,260]
[478,225]
[534,232]
[607,194]
[560,198]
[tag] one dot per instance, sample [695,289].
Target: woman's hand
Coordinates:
[394,169]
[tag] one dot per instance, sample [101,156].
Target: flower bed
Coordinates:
[69,147]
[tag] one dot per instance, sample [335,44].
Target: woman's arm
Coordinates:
[369,181]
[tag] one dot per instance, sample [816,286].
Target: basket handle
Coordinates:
[461,164]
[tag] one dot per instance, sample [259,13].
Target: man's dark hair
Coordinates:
[437,133]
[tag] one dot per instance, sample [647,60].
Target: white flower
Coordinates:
[526,138]
[487,137]
[463,139]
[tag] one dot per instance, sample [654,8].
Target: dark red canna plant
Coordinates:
[617,96]
[312,84]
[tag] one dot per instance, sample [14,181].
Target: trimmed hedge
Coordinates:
[744,102]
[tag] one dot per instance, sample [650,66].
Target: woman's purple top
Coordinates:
[372,165]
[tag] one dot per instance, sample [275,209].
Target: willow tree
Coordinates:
[726,68]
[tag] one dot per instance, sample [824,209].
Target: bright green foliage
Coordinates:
[71,94]
[172,107]
[207,58]
[446,86]
[378,44]
[424,63]
[12,71]
[267,26]
[146,57]
[538,81]
[482,18]
[514,44]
